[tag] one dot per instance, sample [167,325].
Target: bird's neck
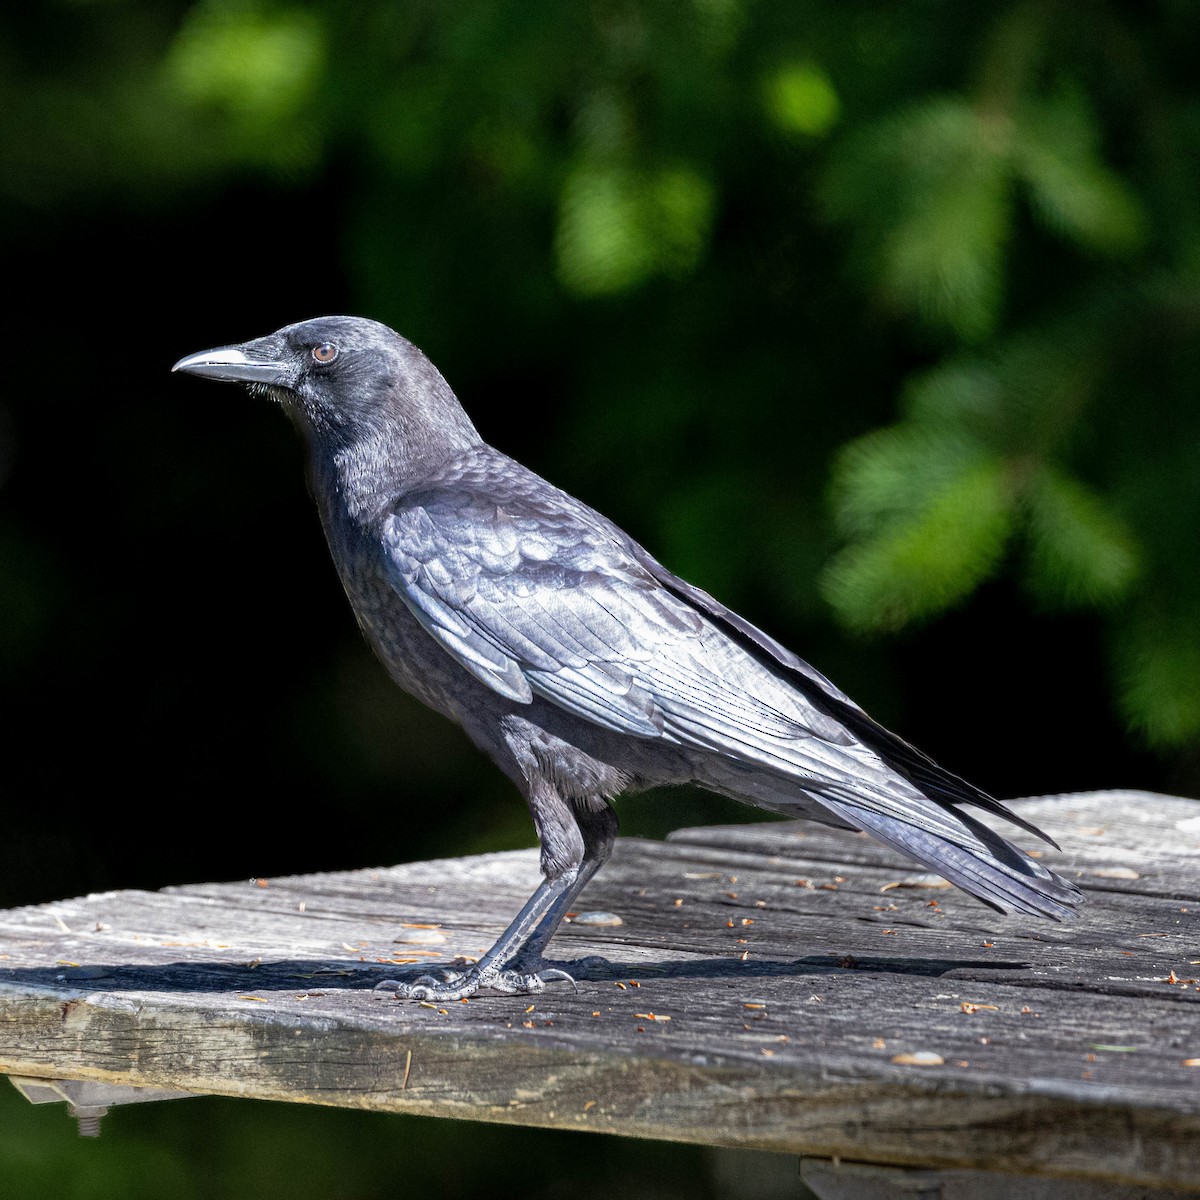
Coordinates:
[390,434]
[358,478]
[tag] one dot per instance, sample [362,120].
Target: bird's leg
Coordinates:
[490,971]
[575,842]
[599,829]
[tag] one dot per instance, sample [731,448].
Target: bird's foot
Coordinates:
[443,984]
[578,967]
[458,985]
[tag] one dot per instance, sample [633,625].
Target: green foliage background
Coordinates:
[878,320]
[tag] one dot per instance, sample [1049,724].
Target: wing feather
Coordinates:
[582,623]
[536,595]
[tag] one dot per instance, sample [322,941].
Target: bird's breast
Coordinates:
[412,658]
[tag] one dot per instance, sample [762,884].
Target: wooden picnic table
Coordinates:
[780,986]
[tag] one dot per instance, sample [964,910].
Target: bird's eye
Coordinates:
[325,353]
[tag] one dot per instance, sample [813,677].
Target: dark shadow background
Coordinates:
[675,257]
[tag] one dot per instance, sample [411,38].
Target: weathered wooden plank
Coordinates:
[842,1180]
[1062,1048]
[1143,940]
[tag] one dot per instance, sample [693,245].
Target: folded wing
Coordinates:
[547,599]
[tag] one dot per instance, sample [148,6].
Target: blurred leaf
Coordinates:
[602,244]
[1056,152]
[679,212]
[720,22]
[1081,554]
[964,394]
[618,227]
[1023,395]
[605,124]
[799,98]
[943,259]
[894,473]
[258,66]
[1158,668]
[922,564]
[927,197]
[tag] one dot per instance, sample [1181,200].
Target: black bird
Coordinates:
[577,662]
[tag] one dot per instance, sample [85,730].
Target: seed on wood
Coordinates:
[919,1058]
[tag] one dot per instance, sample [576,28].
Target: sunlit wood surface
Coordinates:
[781,986]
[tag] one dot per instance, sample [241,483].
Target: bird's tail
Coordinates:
[975,858]
[938,834]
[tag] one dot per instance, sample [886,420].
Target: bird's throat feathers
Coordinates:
[391,433]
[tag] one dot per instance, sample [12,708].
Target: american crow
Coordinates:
[572,657]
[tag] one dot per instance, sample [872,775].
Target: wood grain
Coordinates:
[759,992]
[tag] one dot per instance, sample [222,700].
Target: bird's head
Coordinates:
[345,380]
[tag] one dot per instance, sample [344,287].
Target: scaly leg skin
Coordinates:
[514,965]
[498,969]
[458,985]
[525,976]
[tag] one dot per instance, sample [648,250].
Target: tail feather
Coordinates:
[884,804]
[917,767]
[982,862]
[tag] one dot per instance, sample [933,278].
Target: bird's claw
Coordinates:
[410,987]
[458,985]
[529,983]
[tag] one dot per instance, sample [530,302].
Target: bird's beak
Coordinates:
[251,362]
